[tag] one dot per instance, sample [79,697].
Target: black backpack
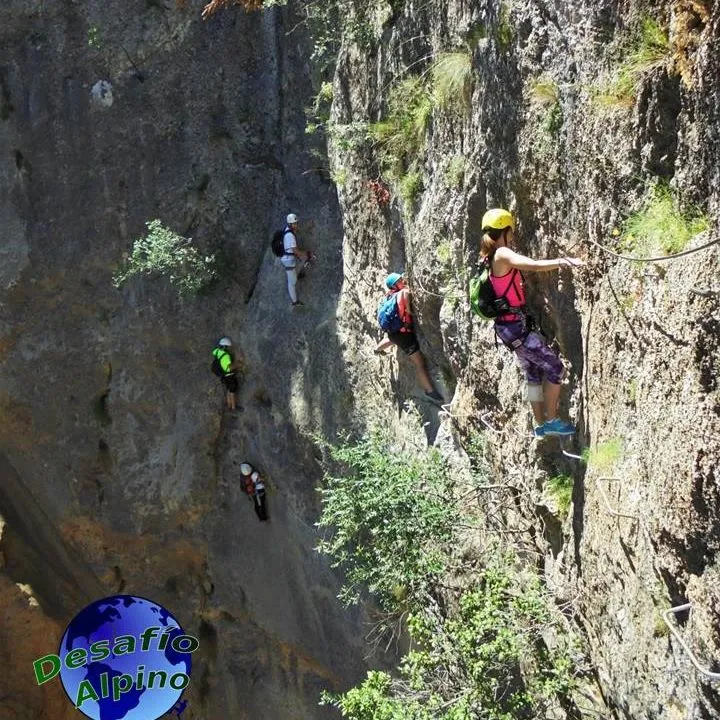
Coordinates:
[277,244]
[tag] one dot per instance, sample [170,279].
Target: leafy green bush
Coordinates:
[560,488]
[392,513]
[164,252]
[544,91]
[504,30]
[443,253]
[401,135]
[553,120]
[649,49]
[349,137]
[451,74]
[411,185]
[605,456]
[488,661]
[455,170]
[661,226]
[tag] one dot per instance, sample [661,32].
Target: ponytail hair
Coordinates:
[488,244]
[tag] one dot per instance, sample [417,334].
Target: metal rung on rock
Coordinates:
[569,454]
[608,507]
[678,637]
[489,426]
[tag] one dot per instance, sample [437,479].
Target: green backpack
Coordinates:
[483,300]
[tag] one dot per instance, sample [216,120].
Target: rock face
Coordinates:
[119,469]
[640,341]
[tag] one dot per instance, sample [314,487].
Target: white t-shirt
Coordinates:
[289,244]
[257,480]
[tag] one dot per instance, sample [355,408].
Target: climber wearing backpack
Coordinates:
[395,318]
[225,366]
[499,294]
[293,258]
[254,486]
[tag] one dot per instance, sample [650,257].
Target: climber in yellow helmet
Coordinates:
[543,368]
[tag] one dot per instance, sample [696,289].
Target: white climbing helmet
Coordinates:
[291,219]
[245,469]
[225,342]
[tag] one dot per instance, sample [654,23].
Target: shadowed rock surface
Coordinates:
[119,468]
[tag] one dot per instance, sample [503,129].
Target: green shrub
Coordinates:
[391,515]
[544,91]
[605,456]
[451,75]
[401,135]
[443,253]
[318,115]
[411,185]
[340,177]
[349,137]
[649,49]
[660,226]
[632,390]
[560,488]
[455,171]
[553,120]
[504,30]
[165,253]
[94,38]
[487,661]
[474,35]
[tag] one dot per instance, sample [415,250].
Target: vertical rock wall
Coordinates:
[640,341]
[119,467]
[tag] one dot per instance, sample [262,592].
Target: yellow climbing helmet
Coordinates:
[497,219]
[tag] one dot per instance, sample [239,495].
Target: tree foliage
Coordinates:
[389,515]
[485,659]
[487,642]
[165,253]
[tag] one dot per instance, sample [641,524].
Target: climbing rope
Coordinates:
[652,259]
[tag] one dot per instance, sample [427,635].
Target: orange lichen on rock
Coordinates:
[27,634]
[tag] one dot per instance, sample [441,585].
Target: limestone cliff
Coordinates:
[537,128]
[119,466]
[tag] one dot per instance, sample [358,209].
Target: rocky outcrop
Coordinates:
[109,416]
[640,340]
[119,467]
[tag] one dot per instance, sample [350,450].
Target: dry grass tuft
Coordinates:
[689,20]
[214,5]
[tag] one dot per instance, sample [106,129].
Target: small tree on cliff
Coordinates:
[164,252]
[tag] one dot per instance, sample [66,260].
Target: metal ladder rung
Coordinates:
[678,637]
[608,507]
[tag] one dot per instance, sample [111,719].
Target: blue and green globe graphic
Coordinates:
[137,659]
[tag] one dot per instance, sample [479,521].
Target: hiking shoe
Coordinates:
[299,302]
[558,427]
[435,396]
[539,432]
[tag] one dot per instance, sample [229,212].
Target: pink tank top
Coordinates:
[511,287]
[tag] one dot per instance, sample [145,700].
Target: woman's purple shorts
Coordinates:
[536,359]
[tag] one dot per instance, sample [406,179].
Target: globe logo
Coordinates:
[122,658]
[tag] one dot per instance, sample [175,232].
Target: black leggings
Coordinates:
[260,505]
